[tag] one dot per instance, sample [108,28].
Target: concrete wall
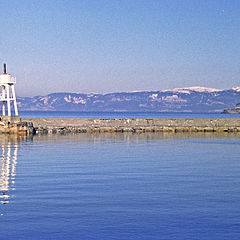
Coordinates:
[22,128]
[75,125]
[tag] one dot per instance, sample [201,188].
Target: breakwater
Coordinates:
[134,125]
[14,125]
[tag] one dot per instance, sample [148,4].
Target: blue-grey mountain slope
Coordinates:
[193,99]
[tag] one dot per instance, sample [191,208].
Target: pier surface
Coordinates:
[79,125]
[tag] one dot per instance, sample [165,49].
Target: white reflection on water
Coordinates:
[8,169]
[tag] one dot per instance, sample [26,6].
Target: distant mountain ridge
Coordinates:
[189,99]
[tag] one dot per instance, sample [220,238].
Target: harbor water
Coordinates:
[120,186]
[59,114]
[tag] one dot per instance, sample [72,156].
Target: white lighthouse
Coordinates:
[8,93]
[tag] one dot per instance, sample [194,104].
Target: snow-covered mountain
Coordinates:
[189,99]
[196,89]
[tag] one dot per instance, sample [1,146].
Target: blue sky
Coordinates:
[120,45]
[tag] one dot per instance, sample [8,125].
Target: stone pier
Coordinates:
[134,125]
[14,125]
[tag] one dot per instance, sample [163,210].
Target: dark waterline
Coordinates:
[121,186]
[59,114]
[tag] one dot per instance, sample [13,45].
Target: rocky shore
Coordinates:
[232,110]
[134,125]
[14,125]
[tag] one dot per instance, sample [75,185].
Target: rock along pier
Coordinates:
[134,125]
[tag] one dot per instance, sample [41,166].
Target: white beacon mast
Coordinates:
[8,92]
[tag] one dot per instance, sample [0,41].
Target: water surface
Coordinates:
[121,186]
[59,114]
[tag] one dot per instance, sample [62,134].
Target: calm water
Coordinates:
[122,186]
[36,114]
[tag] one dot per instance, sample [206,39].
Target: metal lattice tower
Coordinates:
[8,92]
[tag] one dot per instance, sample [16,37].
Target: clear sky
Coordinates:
[120,45]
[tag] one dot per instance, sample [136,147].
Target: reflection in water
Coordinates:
[8,169]
[9,146]
[136,136]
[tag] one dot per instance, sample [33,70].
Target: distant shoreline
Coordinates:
[186,99]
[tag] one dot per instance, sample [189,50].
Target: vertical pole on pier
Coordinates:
[8,100]
[5,68]
[14,100]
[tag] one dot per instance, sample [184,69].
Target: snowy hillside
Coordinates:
[189,99]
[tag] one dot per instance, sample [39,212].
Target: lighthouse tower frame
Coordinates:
[8,93]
